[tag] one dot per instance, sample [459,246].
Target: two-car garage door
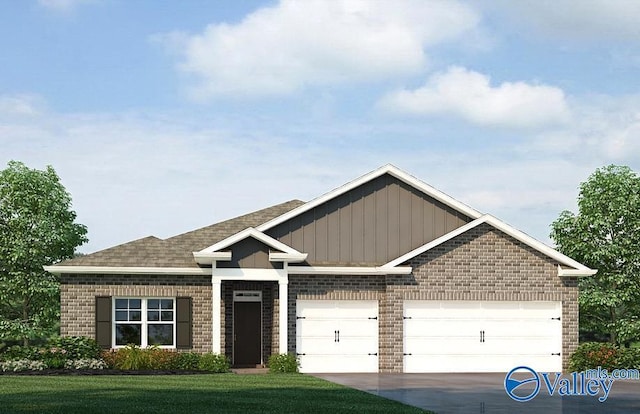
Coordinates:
[471,336]
[438,336]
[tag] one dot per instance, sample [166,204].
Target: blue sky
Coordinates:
[161,117]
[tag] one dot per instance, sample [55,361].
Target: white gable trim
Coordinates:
[578,268]
[387,169]
[214,252]
[348,270]
[436,242]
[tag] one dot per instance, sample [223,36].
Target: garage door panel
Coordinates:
[476,336]
[337,336]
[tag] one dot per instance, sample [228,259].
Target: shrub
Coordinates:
[111,357]
[17,365]
[53,357]
[590,355]
[187,361]
[132,357]
[20,352]
[283,363]
[213,363]
[162,358]
[77,347]
[86,363]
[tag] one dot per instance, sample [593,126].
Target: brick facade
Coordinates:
[78,293]
[483,264]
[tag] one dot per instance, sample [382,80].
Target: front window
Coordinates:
[144,322]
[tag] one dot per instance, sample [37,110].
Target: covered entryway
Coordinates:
[481,336]
[337,335]
[247,328]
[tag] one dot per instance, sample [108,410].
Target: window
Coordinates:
[144,322]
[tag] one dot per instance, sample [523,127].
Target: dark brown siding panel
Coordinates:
[370,228]
[249,253]
[183,323]
[103,321]
[382,207]
[393,221]
[369,225]
[333,233]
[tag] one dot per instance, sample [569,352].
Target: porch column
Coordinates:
[283,285]
[216,294]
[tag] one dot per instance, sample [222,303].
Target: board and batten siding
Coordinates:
[369,225]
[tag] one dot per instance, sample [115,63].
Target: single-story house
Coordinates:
[383,274]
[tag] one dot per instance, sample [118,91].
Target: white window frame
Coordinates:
[144,343]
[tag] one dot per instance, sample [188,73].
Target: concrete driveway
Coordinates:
[483,393]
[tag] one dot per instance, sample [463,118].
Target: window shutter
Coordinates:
[183,323]
[103,321]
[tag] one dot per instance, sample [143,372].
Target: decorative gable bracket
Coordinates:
[219,251]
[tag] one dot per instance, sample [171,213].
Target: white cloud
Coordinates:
[296,44]
[570,19]
[471,96]
[63,5]
[20,105]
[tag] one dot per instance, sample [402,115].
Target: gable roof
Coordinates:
[176,251]
[387,169]
[216,251]
[578,268]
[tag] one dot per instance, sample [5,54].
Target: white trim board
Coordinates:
[387,169]
[123,270]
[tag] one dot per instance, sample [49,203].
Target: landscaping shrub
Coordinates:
[187,361]
[86,363]
[17,352]
[213,363]
[591,355]
[283,363]
[77,347]
[162,358]
[132,357]
[18,365]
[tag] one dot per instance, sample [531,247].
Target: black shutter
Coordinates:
[103,321]
[183,323]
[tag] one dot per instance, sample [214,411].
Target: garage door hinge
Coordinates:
[373,317]
[555,319]
[406,317]
[301,317]
[407,354]
[301,354]
[555,353]
[374,354]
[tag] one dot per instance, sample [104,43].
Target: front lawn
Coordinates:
[220,393]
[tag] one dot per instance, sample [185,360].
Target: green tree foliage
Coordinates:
[605,235]
[37,228]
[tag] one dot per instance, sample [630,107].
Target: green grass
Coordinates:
[220,393]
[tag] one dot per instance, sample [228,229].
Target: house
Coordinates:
[383,274]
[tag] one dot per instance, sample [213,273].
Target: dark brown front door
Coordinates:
[247,331]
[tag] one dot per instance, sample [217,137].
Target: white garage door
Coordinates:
[337,336]
[452,336]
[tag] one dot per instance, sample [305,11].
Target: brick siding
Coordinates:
[78,293]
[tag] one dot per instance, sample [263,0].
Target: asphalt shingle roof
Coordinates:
[177,251]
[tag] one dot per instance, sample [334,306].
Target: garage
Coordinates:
[337,336]
[481,336]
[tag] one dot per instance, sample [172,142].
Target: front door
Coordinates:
[247,332]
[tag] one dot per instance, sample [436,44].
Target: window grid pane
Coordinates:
[155,328]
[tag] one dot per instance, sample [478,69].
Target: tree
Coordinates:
[605,235]
[37,228]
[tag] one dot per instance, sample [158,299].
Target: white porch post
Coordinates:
[283,306]
[216,293]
